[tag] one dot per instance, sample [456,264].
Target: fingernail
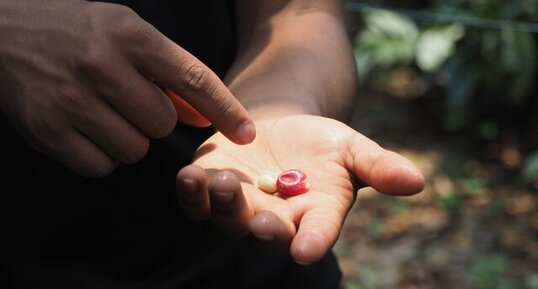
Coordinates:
[265,237]
[246,133]
[223,198]
[302,263]
[189,185]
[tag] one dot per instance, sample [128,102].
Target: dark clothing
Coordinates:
[59,230]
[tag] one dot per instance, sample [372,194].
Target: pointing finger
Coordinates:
[185,112]
[185,75]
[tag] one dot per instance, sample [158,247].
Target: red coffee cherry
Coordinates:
[292,183]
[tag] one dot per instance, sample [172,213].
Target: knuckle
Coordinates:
[69,100]
[113,17]
[125,25]
[196,77]
[42,133]
[136,151]
[163,123]
[107,25]
[84,160]
[93,60]
[99,170]
[122,12]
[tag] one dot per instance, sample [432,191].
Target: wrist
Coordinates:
[274,110]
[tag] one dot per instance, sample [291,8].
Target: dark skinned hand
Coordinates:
[89,83]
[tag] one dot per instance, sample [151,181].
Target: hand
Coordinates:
[89,83]
[221,183]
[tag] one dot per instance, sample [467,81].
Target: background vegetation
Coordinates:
[453,86]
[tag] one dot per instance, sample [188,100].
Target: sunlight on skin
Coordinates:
[330,152]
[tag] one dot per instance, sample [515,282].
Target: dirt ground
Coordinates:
[475,225]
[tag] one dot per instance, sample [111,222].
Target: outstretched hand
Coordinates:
[221,183]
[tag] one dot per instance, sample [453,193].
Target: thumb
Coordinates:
[383,170]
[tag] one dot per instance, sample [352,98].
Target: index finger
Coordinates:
[185,75]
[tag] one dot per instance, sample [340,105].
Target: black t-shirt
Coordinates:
[59,230]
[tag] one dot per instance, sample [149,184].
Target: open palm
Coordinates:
[334,157]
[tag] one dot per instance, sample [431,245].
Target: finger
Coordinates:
[229,208]
[191,184]
[185,75]
[274,222]
[112,133]
[140,101]
[267,227]
[81,155]
[186,113]
[318,231]
[385,171]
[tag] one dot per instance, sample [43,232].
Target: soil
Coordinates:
[475,224]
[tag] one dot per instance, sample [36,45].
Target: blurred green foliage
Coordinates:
[452,203]
[477,64]
[530,168]
[488,272]
[466,61]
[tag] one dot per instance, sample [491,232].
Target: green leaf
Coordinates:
[388,39]
[452,202]
[364,63]
[530,168]
[486,272]
[390,23]
[435,45]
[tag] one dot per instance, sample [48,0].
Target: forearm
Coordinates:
[293,59]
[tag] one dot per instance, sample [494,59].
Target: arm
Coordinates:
[296,76]
[293,57]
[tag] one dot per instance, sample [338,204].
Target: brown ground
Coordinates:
[475,225]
